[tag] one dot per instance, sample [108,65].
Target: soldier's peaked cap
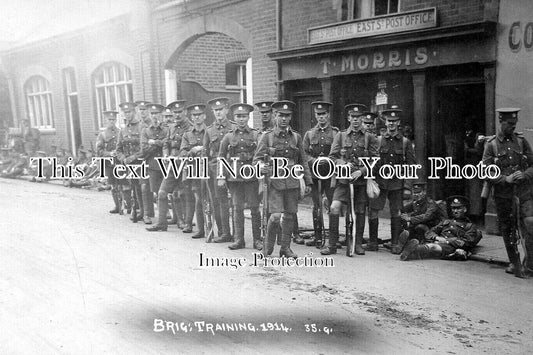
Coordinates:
[355,109]
[391,115]
[110,113]
[196,108]
[419,186]
[177,106]
[143,105]
[168,112]
[321,106]
[458,201]
[369,117]
[508,113]
[218,102]
[264,106]
[156,108]
[241,108]
[127,106]
[284,106]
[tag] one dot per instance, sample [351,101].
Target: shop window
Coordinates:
[112,84]
[356,9]
[236,78]
[39,102]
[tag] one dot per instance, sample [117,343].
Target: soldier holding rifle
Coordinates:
[241,143]
[511,152]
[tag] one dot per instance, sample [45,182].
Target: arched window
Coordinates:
[112,85]
[39,102]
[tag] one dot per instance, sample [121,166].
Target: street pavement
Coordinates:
[78,280]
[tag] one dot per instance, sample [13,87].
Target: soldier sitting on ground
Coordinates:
[452,238]
[419,215]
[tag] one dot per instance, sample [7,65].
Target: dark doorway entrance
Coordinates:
[460,118]
[305,119]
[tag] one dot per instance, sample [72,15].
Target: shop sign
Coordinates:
[374,61]
[521,34]
[406,21]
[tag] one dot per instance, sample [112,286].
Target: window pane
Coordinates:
[130,93]
[344,10]
[72,80]
[231,74]
[128,73]
[380,7]
[121,74]
[243,72]
[393,6]
[112,99]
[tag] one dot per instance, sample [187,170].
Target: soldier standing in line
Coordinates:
[143,113]
[265,110]
[347,148]
[192,146]
[171,145]
[267,124]
[241,143]
[152,138]
[283,194]
[106,144]
[451,239]
[393,149]
[213,136]
[129,152]
[182,199]
[317,143]
[511,152]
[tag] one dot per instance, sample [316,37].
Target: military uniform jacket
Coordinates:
[510,154]
[238,144]
[423,212]
[350,145]
[192,138]
[393,150]
[32,137]
[459,233]
[317,143]
[213,137]
[151,151]
[172,143]
[284,144]
[106,142]
[129,141]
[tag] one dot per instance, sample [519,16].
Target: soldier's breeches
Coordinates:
[162,207]
[280,201]
[147,199]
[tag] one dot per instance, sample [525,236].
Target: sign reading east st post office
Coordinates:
[406,21]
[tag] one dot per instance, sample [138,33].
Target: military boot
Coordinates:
[395,229]
[414,250]
[116,199]
[287,226]
[331,248]
[239,231]
[162,204]
[373,225]
[359,231]
[126,197]
[403,239]
[256,230]
[297,238]
[317,227]
[511,253]
[199,223]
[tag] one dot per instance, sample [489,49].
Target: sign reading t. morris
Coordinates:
[405,21]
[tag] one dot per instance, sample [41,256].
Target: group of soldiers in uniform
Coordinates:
[422,228]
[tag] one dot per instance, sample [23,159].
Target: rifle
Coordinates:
[516,236]
[321,217]
[207,207]
[134,201]
[350,242]
[231,212]
[264,216]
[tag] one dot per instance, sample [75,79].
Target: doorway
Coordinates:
[460,119]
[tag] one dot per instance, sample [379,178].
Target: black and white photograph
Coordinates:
[266,177]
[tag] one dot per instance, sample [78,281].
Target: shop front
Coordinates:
[442,78]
